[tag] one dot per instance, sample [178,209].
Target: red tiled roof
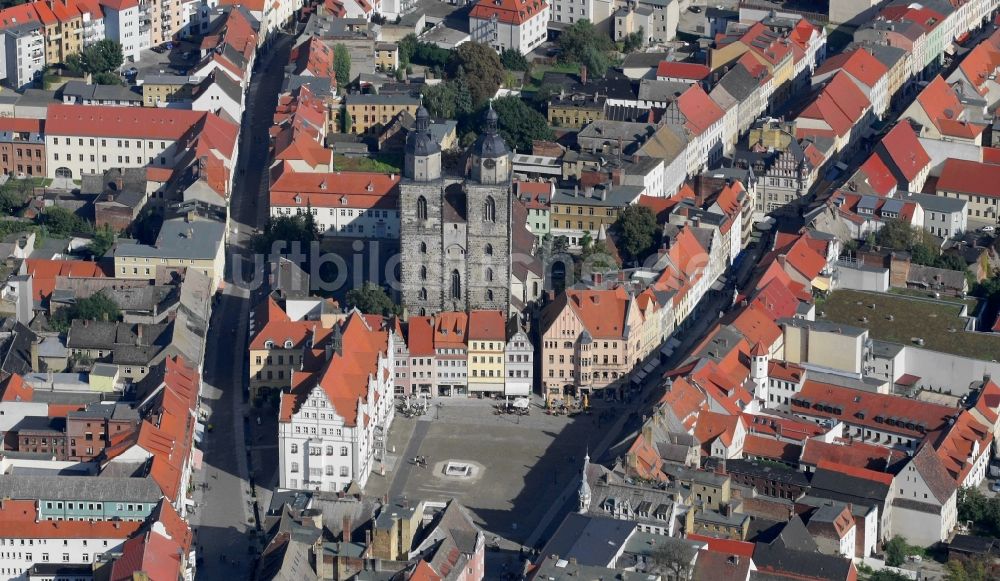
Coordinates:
[903,148]
[335,190]
[874,410]
[859,63]
[847,96]
[602,312]
[17,15]
[19,528]
[785,371]
[16,389]
[108,121]
[982,62]
[770,448]
[970,178]
[21,125]
[782,427]
[148,556]
[515,12]
[450,329]
[345,378]
[852,453]
[487,326]
[43,273]
[712,425]
[699,110]
[804,259]
[856,472]
[119,5]
[676,70]
[940,102]
[685,400]
[776,300]
[757,327]
[727,546]
[879,177]
[420,336]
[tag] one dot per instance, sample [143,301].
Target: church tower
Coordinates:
[455,231]
[759,360]
[488,202]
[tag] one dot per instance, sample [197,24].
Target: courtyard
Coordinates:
[512,467]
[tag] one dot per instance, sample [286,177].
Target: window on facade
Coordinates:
[343,472]
[490,209]
[488,249]
[295,448]
[423,273]
[422,209]
[456,285]
[295,466]
[489,275]
[343,450]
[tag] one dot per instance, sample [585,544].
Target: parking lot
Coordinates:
[518,463]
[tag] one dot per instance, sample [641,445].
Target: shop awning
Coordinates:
[197,458]
[821,283]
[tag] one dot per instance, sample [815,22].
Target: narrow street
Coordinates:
[223,518]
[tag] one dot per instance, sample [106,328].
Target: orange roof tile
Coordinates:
[757,327]
[856,472]
[14,388]
[852,453]
[602,312]
[515,12]
[338,189]
[771,449]
[487,326]
[18,528]
[43,273]
[858,62]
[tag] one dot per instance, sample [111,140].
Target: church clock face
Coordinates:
[489,163]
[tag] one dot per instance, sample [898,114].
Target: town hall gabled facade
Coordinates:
[455,232]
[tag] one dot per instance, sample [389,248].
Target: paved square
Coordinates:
[520,463]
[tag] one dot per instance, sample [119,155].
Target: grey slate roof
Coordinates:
[198,239]
[105,489]
[592,541]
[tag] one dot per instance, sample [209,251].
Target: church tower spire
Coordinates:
[490,156]
[422,160]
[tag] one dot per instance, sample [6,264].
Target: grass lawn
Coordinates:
[538,71]
[379,164]
[937,322]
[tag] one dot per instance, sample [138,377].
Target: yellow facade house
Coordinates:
[487,341]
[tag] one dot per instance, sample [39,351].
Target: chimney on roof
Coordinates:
[720,467]
[138,334]
[583,75]
[346,534]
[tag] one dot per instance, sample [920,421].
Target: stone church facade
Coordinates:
[455,232]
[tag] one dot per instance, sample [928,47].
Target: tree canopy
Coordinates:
[448,100]
[371,299]
[637,228]
[103,56]
[103,240]
[922,246]
[96,307]
[480,66]
[413,50]
[287,229]
[62,223]
[519,124]
[342,65]
[14,195]
[583,44]
[513,60]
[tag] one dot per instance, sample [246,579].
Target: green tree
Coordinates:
[346,121]
[14,195]
[371,299]
[971,570]
[896,551]
[96,307]
[107,78]
[519,124]
[634,41]
[583,44]
[480,66]
[103,56]
[103,240]
[342,65]
[439,100]
[74,64]
[560,244]
[636,225]
[407,47]
[513,60]
[62,223]
[285,229]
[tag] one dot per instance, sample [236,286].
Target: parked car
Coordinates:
[159,49]
[988,228]
[695,9]
[995,486]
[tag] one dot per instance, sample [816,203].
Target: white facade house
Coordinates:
[520,356]
[333,424]
[598,12]
[69,543]
[519,25]
[356,204]
[90,139]
[220,95]
[121,24]
[23,54]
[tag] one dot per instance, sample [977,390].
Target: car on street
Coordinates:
[995,486]
[988,228]
[159,49]
[695,9]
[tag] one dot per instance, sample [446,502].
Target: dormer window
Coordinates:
[288,343]
[370,188]
[343,200]
[268,344]
[298,199]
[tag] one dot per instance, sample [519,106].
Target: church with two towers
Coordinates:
[455,231]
